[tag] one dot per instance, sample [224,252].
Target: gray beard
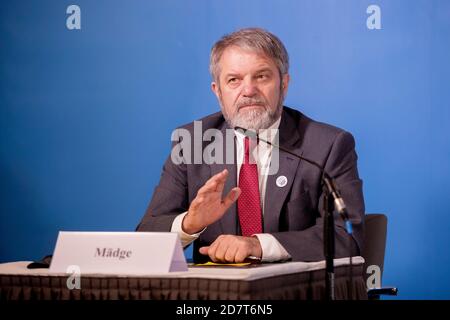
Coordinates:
[253,119]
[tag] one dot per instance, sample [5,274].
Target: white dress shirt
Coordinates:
[272,250]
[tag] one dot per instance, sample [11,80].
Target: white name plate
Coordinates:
[119,253]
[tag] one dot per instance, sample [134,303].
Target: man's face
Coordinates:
[249,89]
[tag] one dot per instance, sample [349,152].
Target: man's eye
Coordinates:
[262,76]
[232,80]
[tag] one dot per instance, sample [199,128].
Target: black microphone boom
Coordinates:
[339,203]
[339,206]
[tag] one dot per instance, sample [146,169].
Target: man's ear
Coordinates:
[215,89]
[285,83]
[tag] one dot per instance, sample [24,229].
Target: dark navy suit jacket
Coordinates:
[293,213]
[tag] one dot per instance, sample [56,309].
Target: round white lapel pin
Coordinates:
[281,181]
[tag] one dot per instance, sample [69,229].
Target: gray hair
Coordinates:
[255,39]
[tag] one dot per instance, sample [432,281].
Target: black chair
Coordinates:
[373,253]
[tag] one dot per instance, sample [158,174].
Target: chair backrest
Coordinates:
[374,241]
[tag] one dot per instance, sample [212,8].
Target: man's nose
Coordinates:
[249,89]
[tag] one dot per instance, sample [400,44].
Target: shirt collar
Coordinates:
[266,134]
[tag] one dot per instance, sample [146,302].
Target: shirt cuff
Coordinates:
[186,238]
[272,250]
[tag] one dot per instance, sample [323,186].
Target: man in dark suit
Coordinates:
[264,204]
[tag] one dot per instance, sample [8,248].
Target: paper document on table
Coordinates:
[215,264]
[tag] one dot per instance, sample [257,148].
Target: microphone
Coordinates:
[339,203]
[339,206]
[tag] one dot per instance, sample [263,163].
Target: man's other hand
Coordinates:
[232,249]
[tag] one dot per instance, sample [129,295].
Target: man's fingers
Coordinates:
[227,248]
[211,251]
[231,197]
[230,254]
[221,181]
[215,183]
[219,253]
[218,178]
[240,255]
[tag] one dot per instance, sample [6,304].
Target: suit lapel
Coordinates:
[276,193]
[228,221]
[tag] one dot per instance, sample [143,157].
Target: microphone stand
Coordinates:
[331,201]
[328,243]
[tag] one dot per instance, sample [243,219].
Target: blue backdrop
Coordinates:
[86,115]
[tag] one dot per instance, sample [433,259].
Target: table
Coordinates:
[274,281]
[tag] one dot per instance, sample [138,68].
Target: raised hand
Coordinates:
[208,206]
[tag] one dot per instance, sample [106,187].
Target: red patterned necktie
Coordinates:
[249,205]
